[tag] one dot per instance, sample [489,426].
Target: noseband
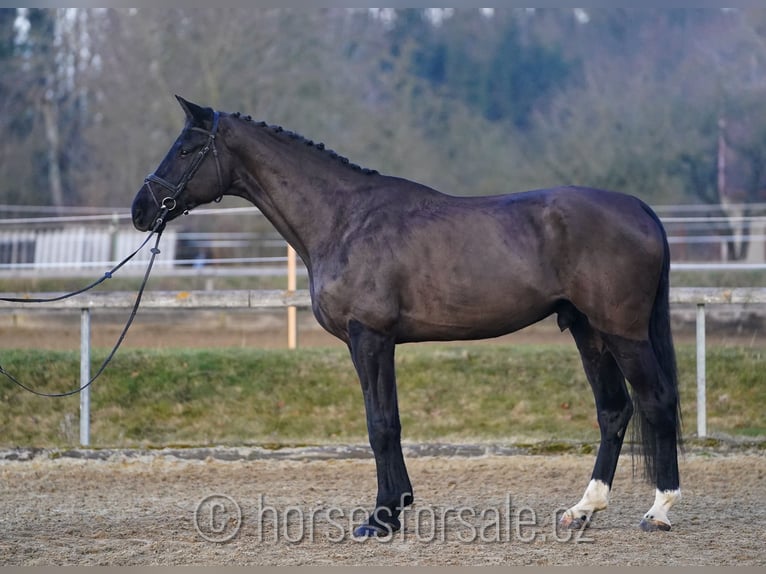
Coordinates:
[170,202]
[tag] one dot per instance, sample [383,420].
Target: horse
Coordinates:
[392,261]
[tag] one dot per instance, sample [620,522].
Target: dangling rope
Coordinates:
[157,230]
[166,206]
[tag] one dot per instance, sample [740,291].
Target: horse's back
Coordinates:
[491,265]
[445,267]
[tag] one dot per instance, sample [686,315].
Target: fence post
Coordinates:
[84,376]
[292,312]
[701,392]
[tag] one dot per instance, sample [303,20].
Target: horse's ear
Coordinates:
[195,113]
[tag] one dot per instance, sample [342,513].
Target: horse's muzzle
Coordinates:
[144,209]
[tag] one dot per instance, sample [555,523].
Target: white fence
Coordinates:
[78,248]
[259,299]
[74,245]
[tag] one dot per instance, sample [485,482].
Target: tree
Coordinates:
[624,99]
[44,64]
[497,66]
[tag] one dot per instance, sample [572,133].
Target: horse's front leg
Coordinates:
[373,357]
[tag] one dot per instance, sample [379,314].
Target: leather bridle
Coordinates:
[170,202]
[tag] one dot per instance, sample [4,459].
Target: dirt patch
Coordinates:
[140,509]
[264,329]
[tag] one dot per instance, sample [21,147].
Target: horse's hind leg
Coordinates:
[614,409]
[373,357]
[656,399]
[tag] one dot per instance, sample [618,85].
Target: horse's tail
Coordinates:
[661,339]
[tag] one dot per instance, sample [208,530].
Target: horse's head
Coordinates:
[191,174]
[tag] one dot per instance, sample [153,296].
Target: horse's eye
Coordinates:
[183,152]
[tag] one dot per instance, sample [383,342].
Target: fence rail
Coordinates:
[275,299]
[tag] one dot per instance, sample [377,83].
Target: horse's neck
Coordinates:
[305,201]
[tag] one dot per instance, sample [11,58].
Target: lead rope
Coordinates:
[158,227]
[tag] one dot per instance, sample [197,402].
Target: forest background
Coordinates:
[469,101]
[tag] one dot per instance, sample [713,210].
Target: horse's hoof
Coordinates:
[372,531]
[374,528]
[649,525]
[574,522]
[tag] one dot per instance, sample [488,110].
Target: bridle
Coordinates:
[170,202]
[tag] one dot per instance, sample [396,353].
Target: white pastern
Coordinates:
[596,498]
[663,500]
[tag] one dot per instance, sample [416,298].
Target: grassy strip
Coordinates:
[238,396]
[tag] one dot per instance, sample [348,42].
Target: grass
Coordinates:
[747,278]
[490,392]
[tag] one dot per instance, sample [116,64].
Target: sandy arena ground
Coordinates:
[140,509]
[151,509]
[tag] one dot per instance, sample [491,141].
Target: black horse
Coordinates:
[392,261]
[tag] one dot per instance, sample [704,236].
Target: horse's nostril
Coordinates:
[138,214]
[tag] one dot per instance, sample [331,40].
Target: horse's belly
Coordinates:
[485,315]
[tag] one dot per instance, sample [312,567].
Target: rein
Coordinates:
[157,230]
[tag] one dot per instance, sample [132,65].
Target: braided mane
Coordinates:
[299,138]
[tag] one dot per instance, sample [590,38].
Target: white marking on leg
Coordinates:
[663,500]
[596,498]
